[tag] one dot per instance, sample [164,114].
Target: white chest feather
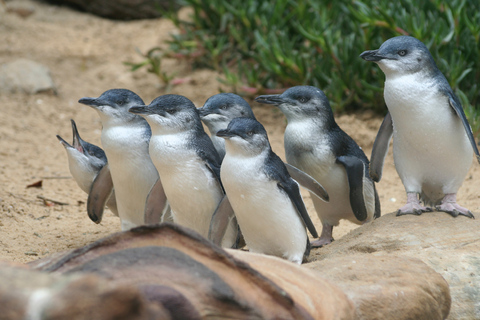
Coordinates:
[267,217]
[81,170]
[308,149]
[192,190]
[133,172]
[430,145]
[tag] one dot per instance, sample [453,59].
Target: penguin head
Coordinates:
[301,103]
[113,104]
[220,109]
[402,55]
[170,113]
[245,136]
[82,153]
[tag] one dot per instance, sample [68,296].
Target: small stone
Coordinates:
[25,76]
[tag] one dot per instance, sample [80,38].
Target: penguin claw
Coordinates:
[321,242]
[415,210]
[456,211]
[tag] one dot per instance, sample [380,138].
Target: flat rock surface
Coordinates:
[450,246]
[388,287]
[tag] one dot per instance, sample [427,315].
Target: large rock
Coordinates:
[450,246]
[25,76]
[123,9]
[185,273]
[174,266]
[28,294]
[388,287]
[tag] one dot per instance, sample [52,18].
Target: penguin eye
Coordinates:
[402,52]
[303,99]
[250,133]
[223,107]
[170,111]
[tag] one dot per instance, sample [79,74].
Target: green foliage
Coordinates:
[270,44]
[153,60]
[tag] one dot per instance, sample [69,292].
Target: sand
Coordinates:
[85,55]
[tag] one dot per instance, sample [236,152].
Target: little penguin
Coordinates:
[125,139]
[433,143]
[266,200]
[85,160]
[188,164]
[218,111]
[315,144]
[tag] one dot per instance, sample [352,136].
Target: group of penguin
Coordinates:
[163,166]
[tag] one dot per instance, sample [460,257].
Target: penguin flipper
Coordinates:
[220,219]
[355,173]
[100,192]
[155,204]
[455,104]
[215,170]
[292,190]
[380,148]
[308,182]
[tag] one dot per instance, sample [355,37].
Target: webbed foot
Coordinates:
[325,238]
[449,205]
[413,206]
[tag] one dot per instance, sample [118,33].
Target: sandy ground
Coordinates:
[85,55]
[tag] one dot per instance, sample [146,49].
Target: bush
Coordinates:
[273,44]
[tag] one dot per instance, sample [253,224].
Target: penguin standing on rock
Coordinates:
[315,144]
[266,200]
[433,143]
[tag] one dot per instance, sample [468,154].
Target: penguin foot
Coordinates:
[320,242]
[413,206]
[450,206]
[325,238]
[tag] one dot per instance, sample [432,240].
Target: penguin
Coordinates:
[216,114]
[315,144]
[433,143]
[266,200]
[85,160]
[218,111]
[188,164]
[125,139]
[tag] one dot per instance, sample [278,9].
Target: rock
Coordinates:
[123,9]
[388,287]
[26,76]
[450,246]
[28,294]
[186,274]
[171,264]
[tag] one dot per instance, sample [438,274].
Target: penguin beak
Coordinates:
[63,142]
[372,55]
[203,112]
[273,99]
[93,102]
[226,134]
[141,110]
[77,142]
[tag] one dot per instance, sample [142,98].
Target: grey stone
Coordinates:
[25,76]
[451,246]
